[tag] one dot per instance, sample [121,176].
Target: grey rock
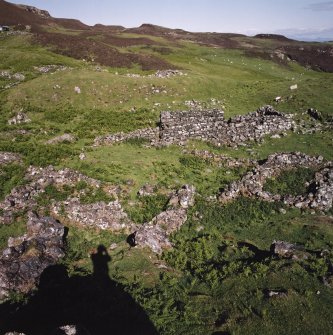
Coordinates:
[61,138]
[22,263]
[19,118]
[9,157]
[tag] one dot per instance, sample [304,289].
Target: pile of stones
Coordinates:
[16,76]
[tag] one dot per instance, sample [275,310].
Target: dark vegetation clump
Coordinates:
[11,176]
[147,207]
[292,182]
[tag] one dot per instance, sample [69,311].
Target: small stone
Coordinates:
[282,211]
[113,246]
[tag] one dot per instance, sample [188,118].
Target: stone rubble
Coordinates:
[158,74]
[99,214]
[24,197]
[253,182]
[146,190]
[9,157]
[51,68]
[209,125]
[220,159]
[19,118]
[26,257]
[155,233]
[16,76]
[150,134]
[61,138]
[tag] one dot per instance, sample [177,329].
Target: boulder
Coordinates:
[289,250]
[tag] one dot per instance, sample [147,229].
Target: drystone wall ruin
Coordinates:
[149,134]
[252,184]
[209,125]
[102,215]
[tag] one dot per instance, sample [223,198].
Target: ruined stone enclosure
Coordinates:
[209,125]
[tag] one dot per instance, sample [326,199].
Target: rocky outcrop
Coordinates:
[253,182]
[26,257]
[9,157]
[155,234]
[158,74]
[209,125]
[99,214]
[40,12]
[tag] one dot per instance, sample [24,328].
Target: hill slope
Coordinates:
[100,43]
[180,210]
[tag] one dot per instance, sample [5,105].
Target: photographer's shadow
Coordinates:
[95,303]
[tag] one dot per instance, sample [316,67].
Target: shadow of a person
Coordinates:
[96,303]
[100,261]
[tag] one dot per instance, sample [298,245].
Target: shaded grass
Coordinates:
[291,182]
[11,175]
[15,229]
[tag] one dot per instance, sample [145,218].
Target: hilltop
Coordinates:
[101,43]
[159,181]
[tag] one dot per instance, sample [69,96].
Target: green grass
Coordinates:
[290,182]
[167,168]
[15,229]
[211,282]
[11,175]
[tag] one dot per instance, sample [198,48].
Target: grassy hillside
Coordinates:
[217,278]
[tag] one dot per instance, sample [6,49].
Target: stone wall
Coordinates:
[252,184]
[181,126]
[150,134]
[253,126]
[209,125]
